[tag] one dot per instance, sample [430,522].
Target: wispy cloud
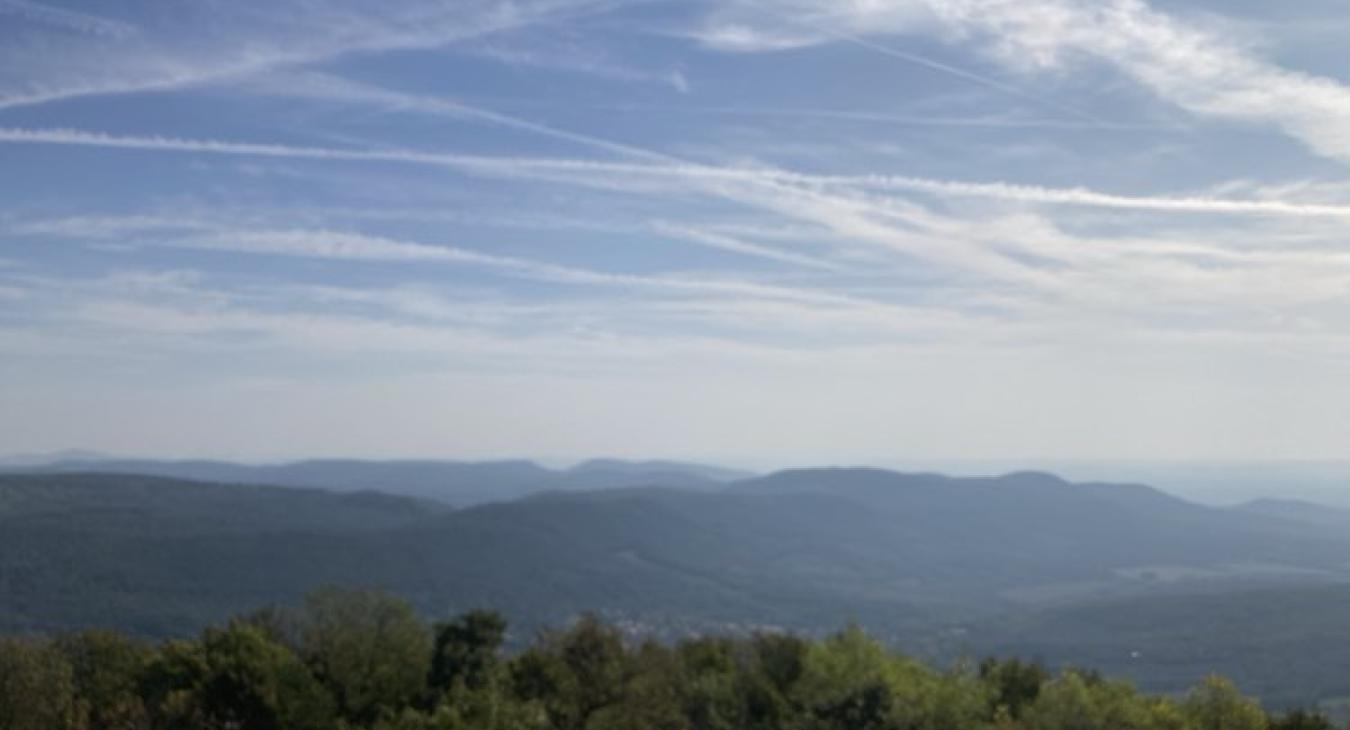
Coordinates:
[993,251]
[1091,198]
[67,19]
[725,242]
[327,87]
[568,53]
[82,226]
[814,24]
[950,210]
[1191,67]
[991,121]
[202,314]
[1000,190]
[355,246]
[295,36]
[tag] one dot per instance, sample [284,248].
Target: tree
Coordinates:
[773,666]
[1300,719]
[360,660]
[236,677]
[651,697]
[107,671]
[1075,701]
[846,683]
[1014,683]
[1216,704]
[465,650]
[573,674]
[370,649]
[37,687]
[709,683]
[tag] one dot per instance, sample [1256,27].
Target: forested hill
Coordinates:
[934,562]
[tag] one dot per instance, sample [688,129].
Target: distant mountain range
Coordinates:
[29,461]
[459,483]
[942,564]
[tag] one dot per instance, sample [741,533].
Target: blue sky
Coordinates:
[761,231]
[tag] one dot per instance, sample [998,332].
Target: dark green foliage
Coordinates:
[575,674]
[37,687]
[1015,683]
[466,650]
[370,649]
[362,660]
[1300,719]
[235,677]
[106,668]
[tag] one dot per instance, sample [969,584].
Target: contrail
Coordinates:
[848,115]
[68,19]
[938,66]
[969,76]
[996,190]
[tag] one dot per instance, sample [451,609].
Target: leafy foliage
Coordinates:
[361,660]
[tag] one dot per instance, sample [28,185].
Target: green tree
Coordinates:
[465,650]
[1084,701]
[236,677]
[773,665]
[37,687]
[1300,719]
[1014,684]
[650,698]
[360,660]
[370,649]
[710,690]
[1216,704]
[573,674]
[846,682]
[107,670]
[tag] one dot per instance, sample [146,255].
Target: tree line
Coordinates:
[354,659]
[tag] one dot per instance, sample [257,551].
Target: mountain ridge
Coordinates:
[458,483]
[810,543]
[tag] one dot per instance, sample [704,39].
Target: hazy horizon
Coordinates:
[1205,481]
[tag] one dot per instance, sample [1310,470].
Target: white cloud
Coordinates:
[1028,254]
[289,35]
[1193,68]
[103,226]
[354,246]
[679,81]
[518,165]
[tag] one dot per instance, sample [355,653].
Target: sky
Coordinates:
[764,232]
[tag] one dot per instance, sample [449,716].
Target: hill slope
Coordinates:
[1290,646]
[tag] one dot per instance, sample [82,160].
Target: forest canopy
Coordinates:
[364,659]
